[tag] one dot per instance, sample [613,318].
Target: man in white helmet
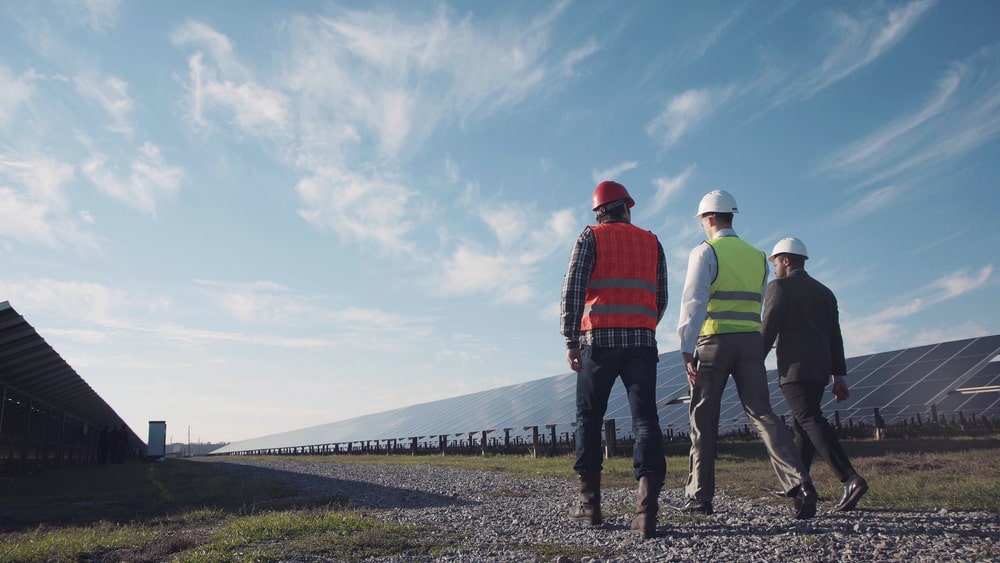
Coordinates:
[719,331]
[801,313]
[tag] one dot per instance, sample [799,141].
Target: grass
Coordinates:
[187,511]
[184,511]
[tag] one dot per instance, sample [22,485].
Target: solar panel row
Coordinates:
[48,413]
[900,383]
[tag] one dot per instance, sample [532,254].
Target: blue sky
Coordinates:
[252,217]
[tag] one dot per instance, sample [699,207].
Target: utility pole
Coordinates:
[189,440]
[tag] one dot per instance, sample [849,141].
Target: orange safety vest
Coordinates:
[621,292]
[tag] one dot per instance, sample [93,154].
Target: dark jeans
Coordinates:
[812,431]
[637,369]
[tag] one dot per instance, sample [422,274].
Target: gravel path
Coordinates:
[500,517]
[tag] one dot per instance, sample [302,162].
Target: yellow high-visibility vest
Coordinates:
[737,291]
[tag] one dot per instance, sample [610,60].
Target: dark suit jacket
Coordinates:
[802,314]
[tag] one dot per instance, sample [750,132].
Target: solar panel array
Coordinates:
[30,367]
[900,383]
[48,414]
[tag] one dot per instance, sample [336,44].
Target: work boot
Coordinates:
[588,510]
[647,505]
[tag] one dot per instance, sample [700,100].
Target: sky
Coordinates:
[251,217]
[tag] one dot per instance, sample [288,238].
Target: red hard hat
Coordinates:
[610,191]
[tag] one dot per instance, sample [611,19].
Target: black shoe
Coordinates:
[694,506]
[854,488]
[805,502]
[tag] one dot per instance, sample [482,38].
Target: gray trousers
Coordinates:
[740,355]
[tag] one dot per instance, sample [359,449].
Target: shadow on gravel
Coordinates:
[358,494]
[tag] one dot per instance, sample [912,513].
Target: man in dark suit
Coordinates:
[801,313]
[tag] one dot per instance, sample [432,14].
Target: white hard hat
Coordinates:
[790,245]
[717,201]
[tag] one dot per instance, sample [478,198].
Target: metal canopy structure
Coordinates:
[48,413]
[902,384]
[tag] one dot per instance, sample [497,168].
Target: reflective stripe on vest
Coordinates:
[621,292]
[736,292]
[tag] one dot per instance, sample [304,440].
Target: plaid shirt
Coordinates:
[574,297]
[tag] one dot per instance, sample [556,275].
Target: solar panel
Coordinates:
[900,383]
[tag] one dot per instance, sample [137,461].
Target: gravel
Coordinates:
[503,518]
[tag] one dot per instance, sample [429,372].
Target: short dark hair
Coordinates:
[796,261]
[724,218]
[613,211]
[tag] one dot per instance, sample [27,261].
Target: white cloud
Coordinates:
[395,80]
[689,47]
[858,42]
[507,221]
[686,111]
[896,137]
[867,333]
[666,189]
[79,301]
[269,303]
[960,282]
[612,173]
[716,33]
[223,83]
[149,179]
[255,109]
[16,91]
[115,315]
[576,56]
[254,302]
[218,45]
[556,231]
[471,270]
[945,238]
[98,15]
[24,220]
[374,208]
[33,203]
[508,271]
[962,116]
[869,203]
[111,93]
[253,105]
[451,170]
[361,92]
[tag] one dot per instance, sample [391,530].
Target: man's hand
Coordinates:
[840,390]
[573,358]
[689,366]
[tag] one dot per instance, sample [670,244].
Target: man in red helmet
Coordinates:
[614,294]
